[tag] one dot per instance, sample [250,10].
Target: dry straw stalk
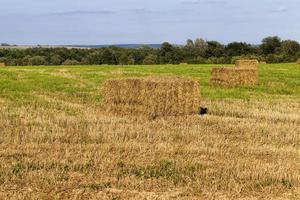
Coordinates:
[151,96]
[232,77]
[247,64]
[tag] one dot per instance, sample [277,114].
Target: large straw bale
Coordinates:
[232,77]
[246,64]
[151,96]
[2,64]
[298,61]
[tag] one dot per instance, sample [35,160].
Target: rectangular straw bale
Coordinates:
[2,64]
[232,77]
[247,64]
[151,96]
[298,61]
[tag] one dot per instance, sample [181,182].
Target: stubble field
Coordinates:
[56,142]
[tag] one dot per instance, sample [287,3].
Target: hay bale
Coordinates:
[253,64]
[232,77]
[151,96]
[263,63]
[2,64]
[298,61]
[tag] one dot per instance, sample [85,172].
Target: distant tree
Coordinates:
[290,47]
[131,60]
[108,57]
[238,49]
[55,60]
[270,45]
[166,53]
[195,49]
[272,50]
[37,60]
[274,58]
[198,60]
[126,59]
[201,47]
[150,60]
[123,59]
[214,49]
[190,44]
[93,58]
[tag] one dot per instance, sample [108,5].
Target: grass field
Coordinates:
[57,143]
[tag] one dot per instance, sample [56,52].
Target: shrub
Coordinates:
[150,60]
[216,60]
[37,60]
[71,62]
[198,60]
[55,60]
[274,58]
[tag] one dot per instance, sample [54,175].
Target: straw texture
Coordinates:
[151,96]
[253,64]
[232,77]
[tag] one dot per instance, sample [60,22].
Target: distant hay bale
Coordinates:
[232,77]
[298,61]
[263,63]
[247,64]
[2,64]
[151,96]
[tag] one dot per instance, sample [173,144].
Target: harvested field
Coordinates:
[151,96]
[233,77]
[57,142]
[253,64]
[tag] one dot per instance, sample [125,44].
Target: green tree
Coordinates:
[166,53]
[150,59]
[55,60]
[37,60]
[108,57]
[214,49]
[270,45]
[94,58]
[238,49]
[290,47]
[201,47]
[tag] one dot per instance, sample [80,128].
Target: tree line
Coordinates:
[271,50]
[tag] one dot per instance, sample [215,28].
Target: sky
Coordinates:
[92,22]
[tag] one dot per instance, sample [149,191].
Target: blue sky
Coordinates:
[138,21]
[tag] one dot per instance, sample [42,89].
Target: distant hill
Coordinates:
[130,46]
